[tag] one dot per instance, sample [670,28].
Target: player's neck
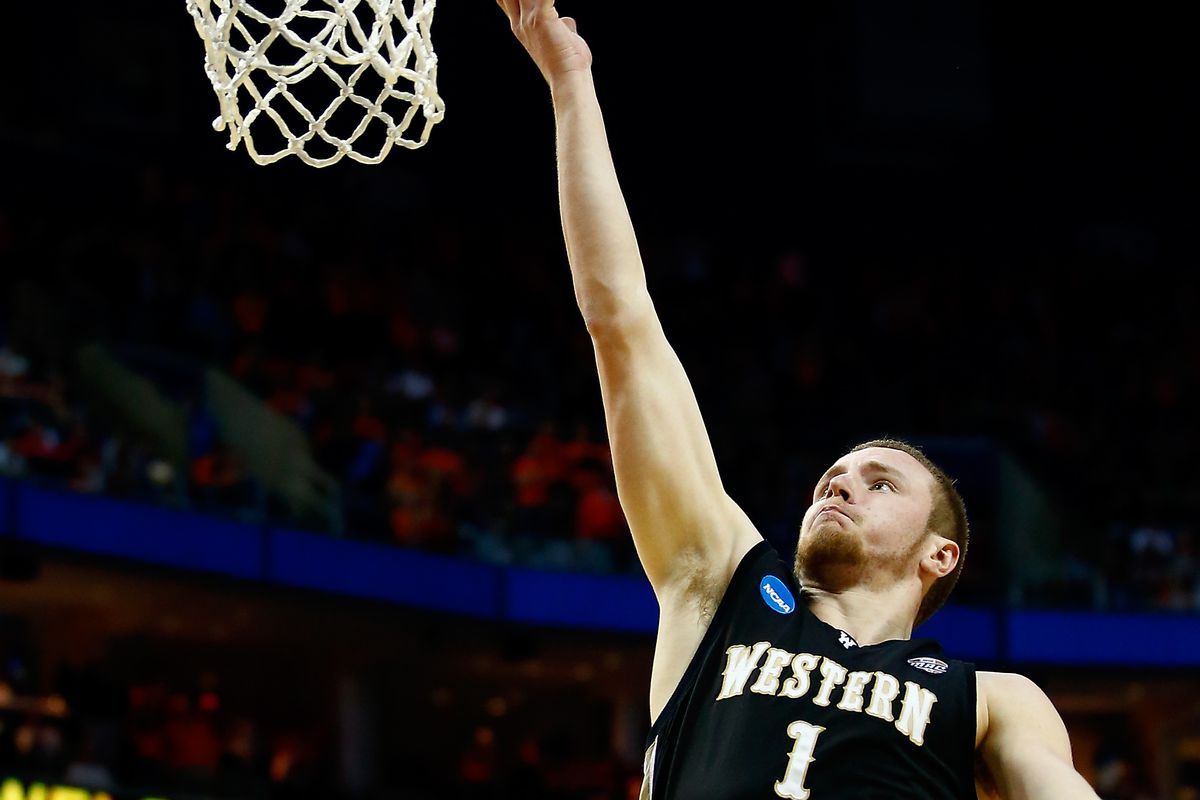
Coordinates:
[869,614]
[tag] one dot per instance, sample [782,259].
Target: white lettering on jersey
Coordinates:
[852,695]
[805,736]
[740,661]
[885,690]
[768,676]
[914,712]
[797,685]
[832,674]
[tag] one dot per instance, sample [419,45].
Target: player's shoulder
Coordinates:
[1010,696]
[1003,685]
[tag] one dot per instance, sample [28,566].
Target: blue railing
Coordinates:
[269,554]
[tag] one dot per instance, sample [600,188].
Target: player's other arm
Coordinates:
[687,531]
[1024,743]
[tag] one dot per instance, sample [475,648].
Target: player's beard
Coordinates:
[830,557]
[835,559]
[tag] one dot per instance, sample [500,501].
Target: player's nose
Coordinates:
[842,485]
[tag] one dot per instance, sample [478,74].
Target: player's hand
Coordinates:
[551,40]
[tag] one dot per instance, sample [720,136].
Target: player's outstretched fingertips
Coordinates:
[511,9]
[551,41]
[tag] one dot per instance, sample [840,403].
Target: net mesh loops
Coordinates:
[370,61]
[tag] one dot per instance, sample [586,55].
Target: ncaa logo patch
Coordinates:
[931,665]
[776,595]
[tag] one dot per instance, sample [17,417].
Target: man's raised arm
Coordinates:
[688,532]
[1023,741]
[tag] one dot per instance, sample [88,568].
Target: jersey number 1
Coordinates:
[805,736]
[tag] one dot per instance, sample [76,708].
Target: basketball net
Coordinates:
[377,58]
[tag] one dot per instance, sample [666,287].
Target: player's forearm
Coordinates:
[606,267]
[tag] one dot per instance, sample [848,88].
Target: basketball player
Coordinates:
[773,679]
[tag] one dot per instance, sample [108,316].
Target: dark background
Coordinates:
[956,222]
[975,215]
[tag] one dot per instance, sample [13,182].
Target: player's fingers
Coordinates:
[570,23]
[532,10]
[512,9]
[524,11]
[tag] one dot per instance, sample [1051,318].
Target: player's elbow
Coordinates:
[618,322]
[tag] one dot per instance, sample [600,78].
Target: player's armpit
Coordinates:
[1025,747]
[667,480]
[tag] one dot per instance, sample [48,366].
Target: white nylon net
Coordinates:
[370,65]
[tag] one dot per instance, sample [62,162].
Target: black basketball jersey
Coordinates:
[776,703]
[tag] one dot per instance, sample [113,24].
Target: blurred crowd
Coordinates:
[444,386]
[96,732]
[189,736]
[167,740]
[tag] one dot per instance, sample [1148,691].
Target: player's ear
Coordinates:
[941,557]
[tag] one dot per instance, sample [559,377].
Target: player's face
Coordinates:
[870,509]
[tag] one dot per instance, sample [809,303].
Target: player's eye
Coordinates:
[887,484]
